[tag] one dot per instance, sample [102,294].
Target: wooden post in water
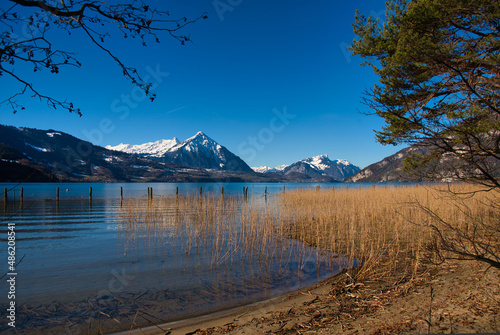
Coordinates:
[121,196]
[90,196]
[283,188]
[5,198]
[333,188]
[57,199]
[22,198]
[317,188]
[246,193]
[151,193]
[222,191]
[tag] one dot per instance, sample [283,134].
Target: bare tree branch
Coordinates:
[95,18]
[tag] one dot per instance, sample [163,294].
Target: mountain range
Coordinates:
[35,155]
[315,167]
[47,155]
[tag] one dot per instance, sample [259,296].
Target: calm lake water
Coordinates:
[79,265]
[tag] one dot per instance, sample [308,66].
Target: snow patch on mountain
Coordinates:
[318,162]
[342,162]
[37,148]
[263,169]
[152,149]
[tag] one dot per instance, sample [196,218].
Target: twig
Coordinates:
[430,311]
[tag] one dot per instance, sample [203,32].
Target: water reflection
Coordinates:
[137,262]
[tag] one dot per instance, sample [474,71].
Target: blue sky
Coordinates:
[270,80]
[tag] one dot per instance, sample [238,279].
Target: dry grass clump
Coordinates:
[392,230]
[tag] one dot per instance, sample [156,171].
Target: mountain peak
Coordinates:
[343,162]
[202,151]
[320,162]
[199,136]
[320,157]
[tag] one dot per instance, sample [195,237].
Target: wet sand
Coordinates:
[454,297]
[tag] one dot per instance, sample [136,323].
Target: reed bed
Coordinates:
[392,231]
[395,231]
[185,221]
[232,229]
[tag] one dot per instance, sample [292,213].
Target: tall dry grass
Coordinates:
[231,229]
[390,230]
[186,221]
[393,230]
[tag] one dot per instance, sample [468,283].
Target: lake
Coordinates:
[113,263]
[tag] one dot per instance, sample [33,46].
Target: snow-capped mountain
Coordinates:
[47,155]
[267,169]
[263,169]
[198,151]
[35,155]
[151,149]
[339,169]
[315,167]
[201,151]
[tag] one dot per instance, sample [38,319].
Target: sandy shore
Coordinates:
[454,297]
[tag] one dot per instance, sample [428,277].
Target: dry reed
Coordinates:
[231,229]
[387,229]
[392,230]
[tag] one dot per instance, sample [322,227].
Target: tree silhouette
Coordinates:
[95,18]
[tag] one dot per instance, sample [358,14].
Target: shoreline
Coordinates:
[458,296]
[237,314]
